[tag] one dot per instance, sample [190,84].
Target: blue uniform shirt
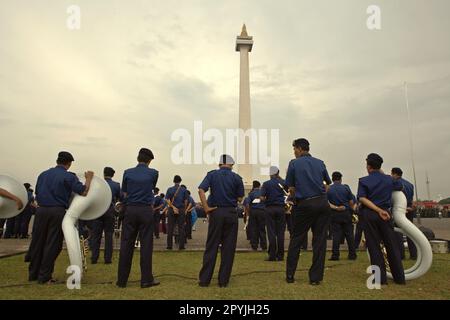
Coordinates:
[255,195]
[192,201]
[138,183]
[340,195]
[158,201]
[226,187]
[273,192]
[182,195]
[307,175]
[408,190]
[115,190]
[54,187]
[378,188]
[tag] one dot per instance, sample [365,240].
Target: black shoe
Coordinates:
[121,285]
[254,249]
[290,279]
[203,284]
[108,262]
[169,248]
[157,237]
[270,259]
[150,284]
[280,259]
[352,257]
[333,259]
[183,248]
[30,278]
[223,285]
[314,283]
[264,249]
[93,262]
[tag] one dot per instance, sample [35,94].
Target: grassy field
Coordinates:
[253,278]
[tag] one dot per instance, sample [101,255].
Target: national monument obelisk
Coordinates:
[244,45]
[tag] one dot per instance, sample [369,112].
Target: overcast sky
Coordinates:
[138,70]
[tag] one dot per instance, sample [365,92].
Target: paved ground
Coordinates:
[441,228]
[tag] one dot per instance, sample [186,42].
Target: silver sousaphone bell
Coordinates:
[8,207]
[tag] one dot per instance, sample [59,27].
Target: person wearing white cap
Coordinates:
[273,195]
[226,190]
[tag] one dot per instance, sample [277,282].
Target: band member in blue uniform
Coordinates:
[305,178]
[177,201]
[157,207]
[374,193]
[137,186]
[246,215]
[273,196]
[408,190]
[341,202]
[27,213]
[54,188]
[105,223]
[257,218]
[226,190]
[190,207]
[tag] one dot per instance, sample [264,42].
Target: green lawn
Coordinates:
[252,278]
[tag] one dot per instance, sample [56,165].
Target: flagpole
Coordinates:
[411,142]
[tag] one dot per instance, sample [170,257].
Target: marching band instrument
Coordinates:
[84,245]
[89,207]
[8,207]
[424,252]
[287,203]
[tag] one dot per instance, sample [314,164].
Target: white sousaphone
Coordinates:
[424,252]
[90,207]
[8,207]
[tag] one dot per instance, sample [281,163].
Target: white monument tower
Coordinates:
[244,44]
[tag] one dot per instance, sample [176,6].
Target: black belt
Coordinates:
[299,201]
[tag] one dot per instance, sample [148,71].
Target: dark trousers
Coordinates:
[179,220]
[342,227]
[9,228]
[103,224]
[136,219]
[157,218]
[46,243]
[288,218]
[276,226]
[358,233]
[315,214]
[2,224]
[25,222]
[188,225]
[223,231]
[258,228]
[377,231]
